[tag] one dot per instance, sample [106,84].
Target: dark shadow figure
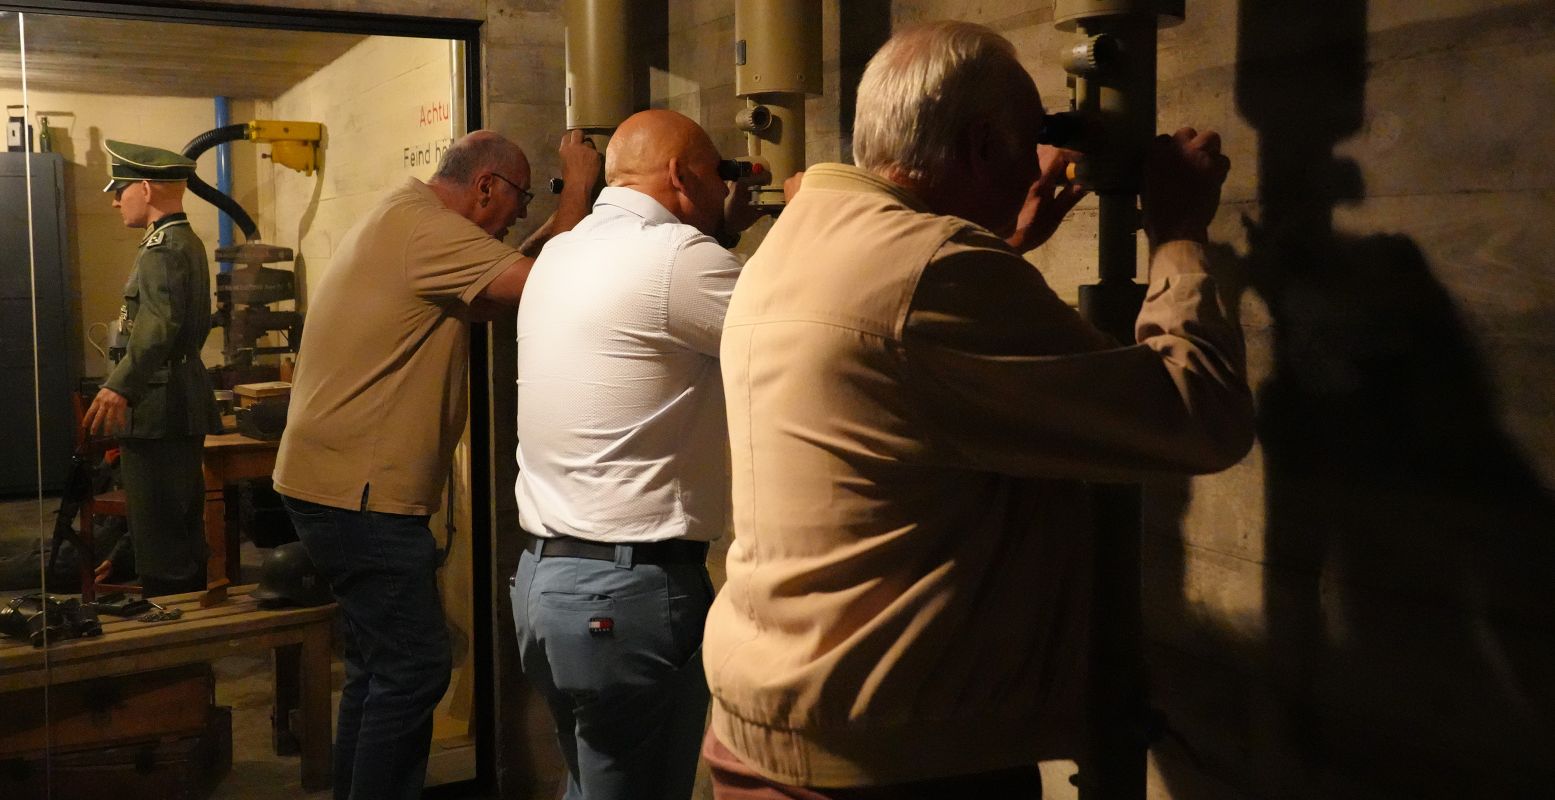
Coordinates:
[305,226]
[862,27]
[650,35]
[1409,571]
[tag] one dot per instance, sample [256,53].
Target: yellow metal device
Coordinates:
[294,145]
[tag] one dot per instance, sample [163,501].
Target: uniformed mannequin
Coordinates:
[158,399]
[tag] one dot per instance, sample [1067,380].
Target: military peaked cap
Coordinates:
[137,162]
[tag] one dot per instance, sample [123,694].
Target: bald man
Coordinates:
[378,403]
[623,462]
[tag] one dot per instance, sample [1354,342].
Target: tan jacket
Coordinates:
[911,411]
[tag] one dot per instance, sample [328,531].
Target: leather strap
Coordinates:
[671,551]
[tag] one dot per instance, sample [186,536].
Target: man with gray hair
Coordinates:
[912,412]
[377,405]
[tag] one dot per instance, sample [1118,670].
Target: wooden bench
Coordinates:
[299,637]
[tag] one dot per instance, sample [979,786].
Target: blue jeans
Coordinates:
[616,649]
[383,570]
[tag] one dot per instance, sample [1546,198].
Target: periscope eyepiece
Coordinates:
[731,169]
[1061,129]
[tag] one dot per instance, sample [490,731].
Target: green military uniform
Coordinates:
[167,312]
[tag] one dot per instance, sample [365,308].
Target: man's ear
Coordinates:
[983,152]
[676,180]
[983,142]
[483,187]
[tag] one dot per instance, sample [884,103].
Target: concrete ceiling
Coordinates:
[112,56]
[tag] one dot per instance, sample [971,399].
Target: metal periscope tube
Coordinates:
[1114,75]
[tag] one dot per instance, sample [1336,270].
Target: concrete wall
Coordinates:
[388,112]
[1363,607]
[102,250]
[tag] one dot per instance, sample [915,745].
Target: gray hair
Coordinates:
[467,158]
[922,93]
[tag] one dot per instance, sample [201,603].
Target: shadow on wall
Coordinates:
[1409,577]
[651,35]
[305,227]
[862,27]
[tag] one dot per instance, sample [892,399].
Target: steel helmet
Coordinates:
[288,577]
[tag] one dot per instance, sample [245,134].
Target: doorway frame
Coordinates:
[468,33]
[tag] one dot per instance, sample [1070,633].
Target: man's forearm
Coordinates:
[571,207]
[536,241]
[505,290]
[483,310]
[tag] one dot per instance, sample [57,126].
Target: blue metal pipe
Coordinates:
[224,177]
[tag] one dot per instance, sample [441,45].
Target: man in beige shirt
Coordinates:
[378,403]
[912,412]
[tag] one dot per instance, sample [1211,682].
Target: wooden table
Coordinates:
[229,458]
[299,637]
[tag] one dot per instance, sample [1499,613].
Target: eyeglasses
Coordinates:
[524,196]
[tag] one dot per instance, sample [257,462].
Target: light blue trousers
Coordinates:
[617,652]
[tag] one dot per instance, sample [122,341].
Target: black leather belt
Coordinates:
[671,551]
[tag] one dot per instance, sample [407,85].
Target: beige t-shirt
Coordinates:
[378,398]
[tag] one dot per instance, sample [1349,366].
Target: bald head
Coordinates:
[484,178]
[667,156]
[476,153]
[641,148]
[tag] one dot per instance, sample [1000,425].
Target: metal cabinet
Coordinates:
[39,348]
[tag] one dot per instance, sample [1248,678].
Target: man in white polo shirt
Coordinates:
[623,462]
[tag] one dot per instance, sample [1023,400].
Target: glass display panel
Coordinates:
[190,684]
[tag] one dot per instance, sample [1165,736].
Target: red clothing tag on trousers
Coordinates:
[601,626]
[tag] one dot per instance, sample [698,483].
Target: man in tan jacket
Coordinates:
[912,412]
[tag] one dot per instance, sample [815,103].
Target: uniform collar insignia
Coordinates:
[155,228]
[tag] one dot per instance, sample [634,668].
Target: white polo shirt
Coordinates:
[621,428]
